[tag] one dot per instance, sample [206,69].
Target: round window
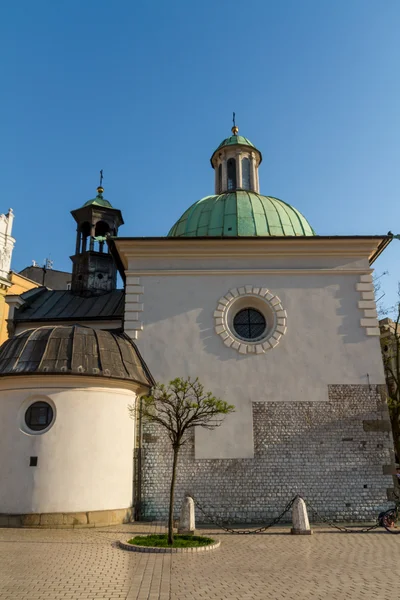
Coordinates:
[38,416]
[249,324]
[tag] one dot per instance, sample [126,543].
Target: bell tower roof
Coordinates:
[99,200]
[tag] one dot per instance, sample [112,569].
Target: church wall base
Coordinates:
[74,520]
[337,454]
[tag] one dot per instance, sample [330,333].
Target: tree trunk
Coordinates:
[395,418]
[171,499]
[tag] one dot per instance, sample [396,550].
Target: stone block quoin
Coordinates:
[133,307]
[367,305]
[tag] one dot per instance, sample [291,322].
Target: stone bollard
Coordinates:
[301,525]
[187,523]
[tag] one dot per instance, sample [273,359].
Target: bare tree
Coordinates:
[179,407]
[390,343]
[379,293]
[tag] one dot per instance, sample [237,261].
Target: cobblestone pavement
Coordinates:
[86,564]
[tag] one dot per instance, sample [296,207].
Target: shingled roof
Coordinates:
[74,350]
[63,305]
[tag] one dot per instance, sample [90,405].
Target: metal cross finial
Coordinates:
[101,177]
[235,128]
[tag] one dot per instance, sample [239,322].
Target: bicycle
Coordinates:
[389,519]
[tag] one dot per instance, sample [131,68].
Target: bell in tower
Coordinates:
[94,271]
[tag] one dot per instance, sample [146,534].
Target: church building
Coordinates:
[243,294]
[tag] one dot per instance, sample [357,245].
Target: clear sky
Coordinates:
[146,90]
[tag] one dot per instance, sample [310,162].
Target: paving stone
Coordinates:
[85,564]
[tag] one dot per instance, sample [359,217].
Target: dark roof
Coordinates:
[51,278]
[53,305]
[74,350]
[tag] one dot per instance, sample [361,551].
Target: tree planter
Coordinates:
[126,545]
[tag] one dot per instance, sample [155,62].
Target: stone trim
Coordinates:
[133,307]
[70,520]
[219,272]
[133,548]
[367,305]
[272,305]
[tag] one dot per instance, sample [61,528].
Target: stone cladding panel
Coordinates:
[326,451]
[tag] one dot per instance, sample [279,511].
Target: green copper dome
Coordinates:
[99,200]
[236,140]
[241,214]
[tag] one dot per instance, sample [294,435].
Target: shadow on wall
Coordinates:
[313,315]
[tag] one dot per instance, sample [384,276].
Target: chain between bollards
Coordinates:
[245,531]
[275,521]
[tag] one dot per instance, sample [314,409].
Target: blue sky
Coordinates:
[146,90]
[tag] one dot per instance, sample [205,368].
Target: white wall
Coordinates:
[84,459]
[324,343]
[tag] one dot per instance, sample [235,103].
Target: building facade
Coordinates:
[242,293]
[279,322]
[6,247]
[11,283]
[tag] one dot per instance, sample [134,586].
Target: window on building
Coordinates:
[38,416]
[249,324]
[245,174]
[231,165]
[220,179]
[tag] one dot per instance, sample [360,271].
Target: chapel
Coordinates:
[244,294]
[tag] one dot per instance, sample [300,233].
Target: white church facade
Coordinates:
[242,293]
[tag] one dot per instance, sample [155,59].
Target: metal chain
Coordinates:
[342,529]
[218,523]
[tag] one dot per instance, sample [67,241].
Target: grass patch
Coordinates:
[180,541]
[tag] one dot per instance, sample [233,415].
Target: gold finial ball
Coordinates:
[100,190]
[235,130]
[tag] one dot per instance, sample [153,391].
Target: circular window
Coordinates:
[38,416]
[250,320]
[249,324]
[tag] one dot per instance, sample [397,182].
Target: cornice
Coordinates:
[219,272]
[63,381]
[356,246]
[4,284]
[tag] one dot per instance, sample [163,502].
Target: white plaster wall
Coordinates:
[324,343]
[84,460]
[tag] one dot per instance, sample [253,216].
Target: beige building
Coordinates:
[18,285]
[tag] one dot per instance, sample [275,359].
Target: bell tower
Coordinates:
[94,271]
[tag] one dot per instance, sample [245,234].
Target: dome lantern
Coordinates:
[237,209]
[236,162]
